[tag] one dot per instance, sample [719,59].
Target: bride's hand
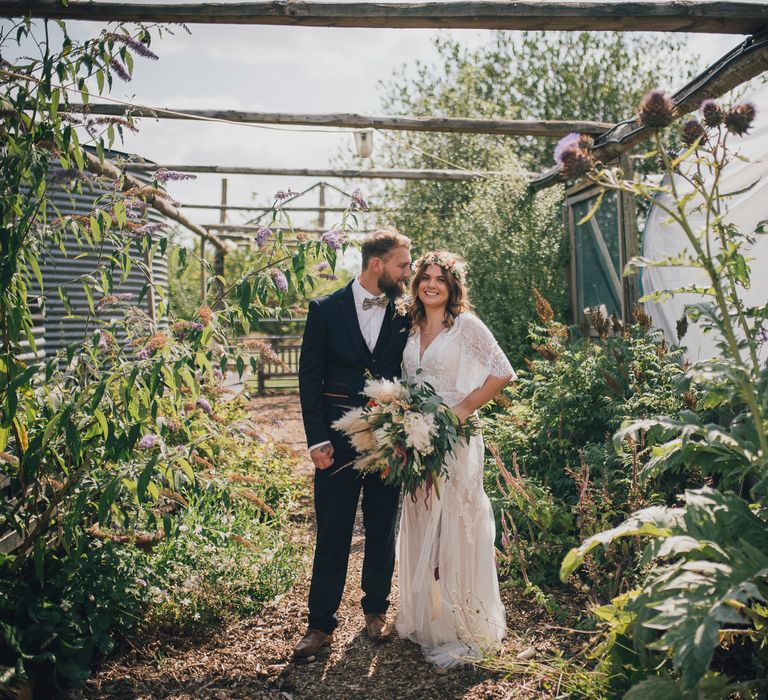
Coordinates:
[462,413]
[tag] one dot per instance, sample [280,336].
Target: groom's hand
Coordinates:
[322,456]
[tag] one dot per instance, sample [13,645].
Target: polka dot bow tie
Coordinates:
[370,302]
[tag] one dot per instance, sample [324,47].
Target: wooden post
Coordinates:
[150,277]
[321,204]
[630,243]
[218,264]
[203,272]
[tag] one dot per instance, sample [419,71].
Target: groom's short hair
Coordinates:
[380,244]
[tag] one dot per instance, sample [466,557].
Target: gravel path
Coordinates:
[252,658]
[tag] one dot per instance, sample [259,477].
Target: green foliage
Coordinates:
[566,480]
[51,633]
[103,440]
[225,555]
[710,571]
[513,242]
[706,574]
[580,396]
[536,75]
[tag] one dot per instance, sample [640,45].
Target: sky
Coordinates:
[276,69]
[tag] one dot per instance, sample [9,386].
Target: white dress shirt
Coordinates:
[369,320]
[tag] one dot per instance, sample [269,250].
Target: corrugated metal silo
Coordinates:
[57,268]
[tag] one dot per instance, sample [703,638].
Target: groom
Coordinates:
[350,334]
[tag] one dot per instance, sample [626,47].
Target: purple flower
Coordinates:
[262,235]
[565,143]
[279,280]
[196,326]
[218,375]
[107,121]
[332,239]
[164,175]
[148,441]
[125,296]
[151,228]
[574,156]
[132,43]
[322,266]
[143,354]
[119,70]
[104,339]
[762,335]
[327,276]
[358,200]
[202,403]
[284,194]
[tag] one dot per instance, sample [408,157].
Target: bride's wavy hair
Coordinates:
[454,269]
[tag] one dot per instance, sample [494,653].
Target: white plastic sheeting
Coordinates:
[745,211]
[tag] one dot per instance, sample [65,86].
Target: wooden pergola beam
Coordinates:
[230,207]
[380,174]
[743,63]
[458,125]
[250,228]
[167,209]
[711,16]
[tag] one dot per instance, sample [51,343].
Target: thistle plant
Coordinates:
[693,185]
[706,575]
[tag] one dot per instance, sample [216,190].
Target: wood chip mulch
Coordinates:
[252,658]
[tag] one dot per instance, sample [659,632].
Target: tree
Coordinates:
[530,75]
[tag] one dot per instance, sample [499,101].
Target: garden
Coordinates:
[156,525]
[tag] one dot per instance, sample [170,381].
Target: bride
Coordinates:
[449,591]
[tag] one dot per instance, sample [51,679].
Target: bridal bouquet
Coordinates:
[404,433]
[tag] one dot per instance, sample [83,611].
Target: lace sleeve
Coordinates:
[481,356]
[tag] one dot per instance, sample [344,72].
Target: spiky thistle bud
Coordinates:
[573,153]
[656,110]
[692,130]
[711,113]
[738,119]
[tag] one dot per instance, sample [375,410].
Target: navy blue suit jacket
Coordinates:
[336,360]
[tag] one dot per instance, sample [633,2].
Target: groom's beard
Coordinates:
[391,287]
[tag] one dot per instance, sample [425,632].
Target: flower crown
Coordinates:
[447,262]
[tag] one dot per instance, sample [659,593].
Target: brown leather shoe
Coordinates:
[311,643]
[377,628]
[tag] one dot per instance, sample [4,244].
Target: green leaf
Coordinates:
[107,499]
[655,689]
[144,478]
[654,522]
[102,420]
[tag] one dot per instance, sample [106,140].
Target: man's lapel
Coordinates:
[349,312]
[385,332]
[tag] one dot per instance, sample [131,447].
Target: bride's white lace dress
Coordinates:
[457,616]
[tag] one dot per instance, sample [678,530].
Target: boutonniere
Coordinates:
[403,306]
